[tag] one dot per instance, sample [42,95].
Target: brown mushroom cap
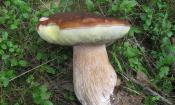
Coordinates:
[75,20]
[78,28]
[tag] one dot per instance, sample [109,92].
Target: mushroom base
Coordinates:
[93,76]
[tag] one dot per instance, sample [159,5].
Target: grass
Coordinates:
[33,72]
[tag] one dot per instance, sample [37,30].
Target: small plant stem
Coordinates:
[152,92]
[31,69]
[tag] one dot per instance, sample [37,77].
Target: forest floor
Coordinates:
[34,72]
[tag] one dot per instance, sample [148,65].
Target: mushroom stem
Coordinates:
[94,77]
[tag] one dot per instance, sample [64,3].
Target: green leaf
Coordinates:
[5,77]
[90,5]
[1,40]
[9,44]
[48,102]
[1,52]
[30,79]
[167,86]
[128,5]
[131,52]
[40,94]
[40,56]
[155,98]
[4,81]
[163,71]
[49,69]
[3,46]
[25,15]
[43,92]
[134,30]
[22,63]
[14,62]
[4,35]
[11,50]
[170,33]
[114,7]
[4,57]
[2,20]
[16,104]
[7,3]
[13,26]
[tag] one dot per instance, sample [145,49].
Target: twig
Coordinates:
[46,6]
[101,10]
[64,9]
[151,91]
[31,70]
[132,90]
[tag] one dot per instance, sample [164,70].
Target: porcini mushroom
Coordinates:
[93,76]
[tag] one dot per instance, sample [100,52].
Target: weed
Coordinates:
[148,47]
[24,75]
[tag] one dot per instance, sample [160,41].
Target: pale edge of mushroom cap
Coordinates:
[72,36]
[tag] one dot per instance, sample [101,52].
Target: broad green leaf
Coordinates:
[49,69]
[13,26]
[48,102]
[40,56]
[128,5]
[131,52]
[5,77]
[22,63]
[90,5]
[5,82]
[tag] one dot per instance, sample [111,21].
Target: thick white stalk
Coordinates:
[94,77]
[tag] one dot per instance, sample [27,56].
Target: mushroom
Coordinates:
[94,77]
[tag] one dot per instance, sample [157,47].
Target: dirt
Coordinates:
[124,98]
